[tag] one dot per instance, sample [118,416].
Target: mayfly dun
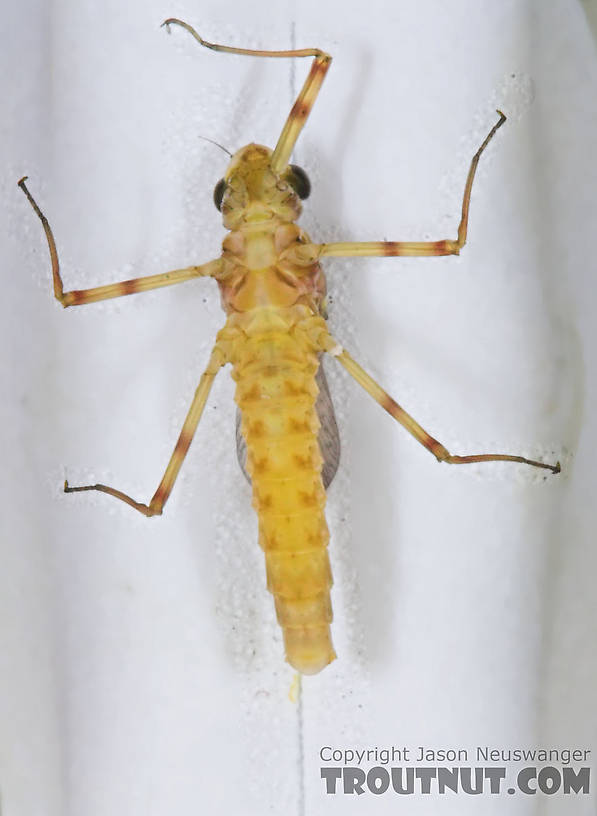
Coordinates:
[273,292]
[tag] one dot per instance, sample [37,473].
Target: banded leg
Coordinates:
[390,249]
[78,297]
[160,497]
[420,434]
[304,101]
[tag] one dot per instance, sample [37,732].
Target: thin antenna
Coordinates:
[217,144]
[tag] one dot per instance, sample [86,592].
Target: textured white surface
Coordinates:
[141,668]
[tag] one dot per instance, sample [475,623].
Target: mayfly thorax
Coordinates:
[272,289]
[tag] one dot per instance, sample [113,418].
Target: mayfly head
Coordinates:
[252,193]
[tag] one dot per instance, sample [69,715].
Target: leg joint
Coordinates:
[441,454]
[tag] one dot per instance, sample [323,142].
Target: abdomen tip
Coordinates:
[311,650]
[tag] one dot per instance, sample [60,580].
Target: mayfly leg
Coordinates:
[129,287]
[441,453]
[160,497]
[304,101]
[79,297]
[421,249]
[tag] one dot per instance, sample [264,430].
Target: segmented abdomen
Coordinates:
[276,392]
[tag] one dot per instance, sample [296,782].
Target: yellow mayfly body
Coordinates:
[273,290]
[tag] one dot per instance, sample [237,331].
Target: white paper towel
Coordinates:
[142,669]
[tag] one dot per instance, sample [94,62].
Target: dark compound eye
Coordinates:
[219,191]
[298,180]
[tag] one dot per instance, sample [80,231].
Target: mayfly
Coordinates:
[273,292]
